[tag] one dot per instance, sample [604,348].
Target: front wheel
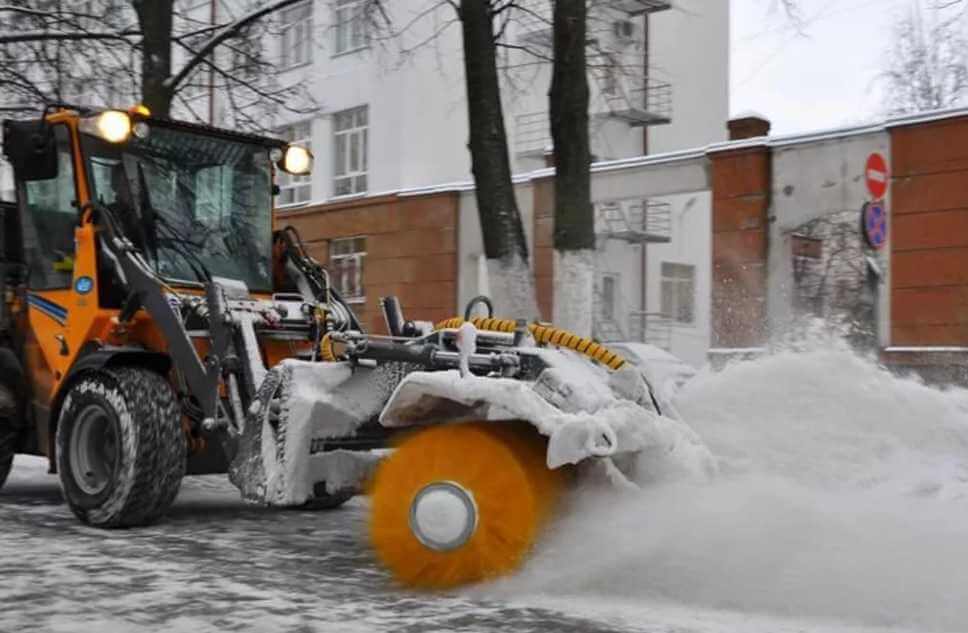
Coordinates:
[121,452]
[8,432]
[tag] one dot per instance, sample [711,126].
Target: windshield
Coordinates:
[190,202]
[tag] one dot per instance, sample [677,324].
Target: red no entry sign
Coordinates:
[875,174]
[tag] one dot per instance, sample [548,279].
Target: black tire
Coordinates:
[8,431]
[322,500]
[121,451]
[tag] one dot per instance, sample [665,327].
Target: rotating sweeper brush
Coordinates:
[464,498]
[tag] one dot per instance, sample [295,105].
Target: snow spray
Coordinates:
[841,495]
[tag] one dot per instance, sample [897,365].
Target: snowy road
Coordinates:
[217,564]
[840,506]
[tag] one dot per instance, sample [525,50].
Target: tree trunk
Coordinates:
[155,19]
[574,237]
[509,275]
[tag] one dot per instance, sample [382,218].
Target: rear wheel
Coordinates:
[461,503]
[8,431]
[324,500]
[121,451]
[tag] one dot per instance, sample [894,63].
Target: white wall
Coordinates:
[681,181]
[418,119]
[691,243]
[690,49]
[811,180]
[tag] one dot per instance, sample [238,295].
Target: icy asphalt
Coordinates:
[217,564]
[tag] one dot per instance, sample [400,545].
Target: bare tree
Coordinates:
[52,50]
[927,61]
[505,247]
[831,276]
[484,25]
[574,236]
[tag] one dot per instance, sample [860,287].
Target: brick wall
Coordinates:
[741,200]
[411,249]
[929,246]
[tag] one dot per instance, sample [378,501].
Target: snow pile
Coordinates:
[842,494]
[299,406]
[582,408]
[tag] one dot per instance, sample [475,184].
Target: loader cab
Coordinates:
[194,201]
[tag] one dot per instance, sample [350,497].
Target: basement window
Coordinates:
[679,292]
[346,258]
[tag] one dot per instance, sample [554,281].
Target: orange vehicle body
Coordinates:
[56,325]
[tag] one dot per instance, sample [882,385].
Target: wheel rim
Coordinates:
[443,516]
[93,450]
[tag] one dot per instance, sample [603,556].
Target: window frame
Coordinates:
[353,18]
[359,259]
[292,182]
[358,137]
[26,214]
[302,24]
[609,307]
[679,286]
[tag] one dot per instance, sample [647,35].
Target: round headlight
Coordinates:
[114,126]
[297,160]
[140,129]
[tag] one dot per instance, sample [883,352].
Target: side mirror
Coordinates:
[31,149]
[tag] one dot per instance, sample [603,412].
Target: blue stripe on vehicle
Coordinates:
[49,308]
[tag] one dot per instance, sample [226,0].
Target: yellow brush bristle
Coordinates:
[501,464]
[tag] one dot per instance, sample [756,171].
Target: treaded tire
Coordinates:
[8,433]
[148,448]
[322,500]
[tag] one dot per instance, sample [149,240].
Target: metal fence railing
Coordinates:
[638,99]
[638,7]
[636,220]
[651,327]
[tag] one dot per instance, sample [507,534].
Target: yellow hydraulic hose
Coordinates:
[545,335]
[326,351]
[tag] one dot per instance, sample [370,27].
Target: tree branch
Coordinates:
[229,31]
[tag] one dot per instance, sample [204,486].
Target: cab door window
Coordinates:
[50,216]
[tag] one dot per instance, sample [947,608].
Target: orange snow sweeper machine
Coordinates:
[154,325]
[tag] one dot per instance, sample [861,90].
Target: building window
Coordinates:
[350,26]
[293,189]
[346,258]
[349,151]
[679,292]
[608,297]
[296,37]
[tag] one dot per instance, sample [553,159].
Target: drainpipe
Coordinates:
[211,70]
[643,303]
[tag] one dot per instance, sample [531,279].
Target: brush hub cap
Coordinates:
[443,516]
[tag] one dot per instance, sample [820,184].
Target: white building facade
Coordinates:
[386,112]
[390,115]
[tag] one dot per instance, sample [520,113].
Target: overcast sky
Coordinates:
[825,77]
